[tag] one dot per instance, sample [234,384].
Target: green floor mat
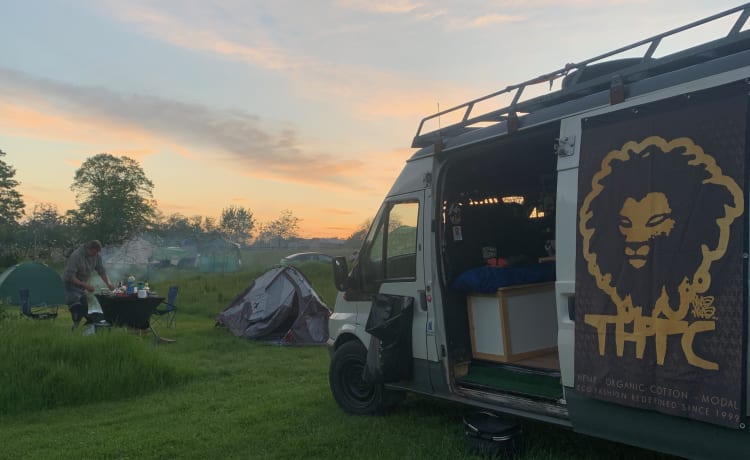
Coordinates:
[513,380]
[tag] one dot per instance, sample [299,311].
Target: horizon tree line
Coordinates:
[115,203]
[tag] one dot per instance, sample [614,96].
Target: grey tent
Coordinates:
[280,305]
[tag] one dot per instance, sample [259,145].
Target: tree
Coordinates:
[11,209]
[11,203]
[176,228]
[114,197]
[45,232]
[237,224]
[281,229]
[209,224]
[355,239]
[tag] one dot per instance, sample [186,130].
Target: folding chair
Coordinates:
[40,311]
[169,312]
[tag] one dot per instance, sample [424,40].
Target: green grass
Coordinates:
[116,395]
[45,366]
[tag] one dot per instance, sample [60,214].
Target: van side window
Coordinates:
[401,261]
[390,252]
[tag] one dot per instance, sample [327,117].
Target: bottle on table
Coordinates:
[131,285]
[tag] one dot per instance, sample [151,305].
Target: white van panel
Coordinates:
[565,238]
[412,177]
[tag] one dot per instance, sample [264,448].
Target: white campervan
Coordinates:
[579,258]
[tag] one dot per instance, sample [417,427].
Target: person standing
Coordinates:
[78,269]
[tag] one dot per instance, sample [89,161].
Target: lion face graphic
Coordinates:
[657,217]
[644,220]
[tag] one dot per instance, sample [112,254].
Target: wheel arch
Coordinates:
[345,337]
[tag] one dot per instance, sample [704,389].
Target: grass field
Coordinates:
[116,395]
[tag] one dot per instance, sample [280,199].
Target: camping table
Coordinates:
[130,311]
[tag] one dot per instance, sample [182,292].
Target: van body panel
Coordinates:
[565,239]
[412,177]
[653,430]
[345,325]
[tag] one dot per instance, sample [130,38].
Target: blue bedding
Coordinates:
[489,279]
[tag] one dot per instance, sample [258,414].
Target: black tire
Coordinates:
[350,391]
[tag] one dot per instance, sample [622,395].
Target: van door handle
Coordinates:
[423,300]
[572,308]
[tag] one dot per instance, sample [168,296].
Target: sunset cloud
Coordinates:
[168,28]
[365,91]
[245,138]
[385,6]
[492,19]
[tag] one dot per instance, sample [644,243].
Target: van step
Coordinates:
[535,383]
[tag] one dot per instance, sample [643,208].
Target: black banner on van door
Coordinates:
[659,266]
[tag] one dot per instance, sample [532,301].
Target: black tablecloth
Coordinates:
[128,310]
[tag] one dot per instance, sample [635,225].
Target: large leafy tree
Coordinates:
[237,224]
[114,198]
[11,210]
[11,203]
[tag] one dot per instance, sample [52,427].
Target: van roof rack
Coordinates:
[578,82]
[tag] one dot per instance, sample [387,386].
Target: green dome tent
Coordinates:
[45,284]
[218,256]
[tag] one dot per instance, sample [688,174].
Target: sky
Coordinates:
[301,105]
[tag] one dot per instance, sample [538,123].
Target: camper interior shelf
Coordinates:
[518,322]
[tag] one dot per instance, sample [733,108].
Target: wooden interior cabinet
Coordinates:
[518,322]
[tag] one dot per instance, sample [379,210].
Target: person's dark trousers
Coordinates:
[79,310]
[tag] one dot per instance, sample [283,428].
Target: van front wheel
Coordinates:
[349,389]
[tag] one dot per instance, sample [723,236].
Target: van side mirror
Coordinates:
[340,273]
